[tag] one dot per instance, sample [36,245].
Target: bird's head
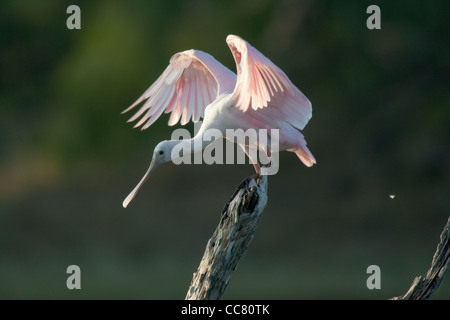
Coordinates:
[161,154]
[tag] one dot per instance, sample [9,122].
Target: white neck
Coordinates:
[182,149]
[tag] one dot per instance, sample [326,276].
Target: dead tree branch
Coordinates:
[230,240]
[422,288]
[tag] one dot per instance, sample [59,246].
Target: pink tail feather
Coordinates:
[304,154]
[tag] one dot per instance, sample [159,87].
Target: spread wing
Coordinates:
[189,84]
[264,90]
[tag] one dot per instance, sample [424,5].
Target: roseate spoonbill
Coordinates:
[195,85]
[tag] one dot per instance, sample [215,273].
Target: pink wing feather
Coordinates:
[189,84]
[264,90]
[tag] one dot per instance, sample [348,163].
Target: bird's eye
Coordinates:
[161,152]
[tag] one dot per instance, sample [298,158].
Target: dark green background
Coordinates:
[380,126]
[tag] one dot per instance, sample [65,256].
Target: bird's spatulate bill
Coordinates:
[132,194]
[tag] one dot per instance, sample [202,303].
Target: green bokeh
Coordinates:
[380,126]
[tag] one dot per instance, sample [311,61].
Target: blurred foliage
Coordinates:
[380,126]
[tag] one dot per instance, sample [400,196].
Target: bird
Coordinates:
[196,86]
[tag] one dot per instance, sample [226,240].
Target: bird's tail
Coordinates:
[304,154]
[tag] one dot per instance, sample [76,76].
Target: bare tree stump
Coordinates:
[230,240]
[422,288]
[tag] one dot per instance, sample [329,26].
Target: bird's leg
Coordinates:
[257,174]
[257,168]
[253,160]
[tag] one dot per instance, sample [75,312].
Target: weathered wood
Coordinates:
[230,240]
[422,288]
